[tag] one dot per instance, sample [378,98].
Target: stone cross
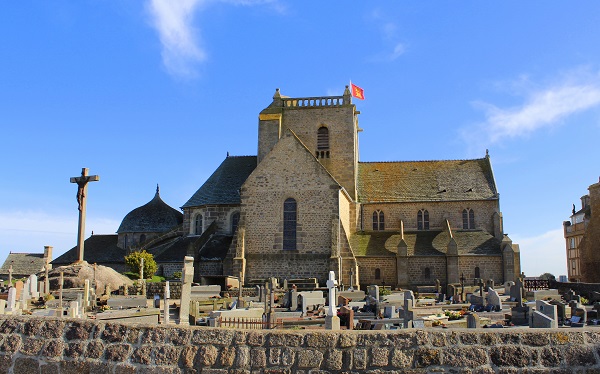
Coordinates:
[61,282]
[82,182]
[142,268]
[10,271]
[46,280]
[331,285]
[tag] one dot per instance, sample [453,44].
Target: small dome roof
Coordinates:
[155,216]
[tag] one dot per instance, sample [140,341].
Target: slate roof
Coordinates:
[175,249]
[101,249]
[424,243]
[23,264]
[155,216]
[411,181]
[223,186]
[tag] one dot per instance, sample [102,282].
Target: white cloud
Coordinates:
[174,22]
[179,36]
[543,253]
[542,108]
[30,231]
[389,34]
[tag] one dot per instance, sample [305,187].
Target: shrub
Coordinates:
[133,260]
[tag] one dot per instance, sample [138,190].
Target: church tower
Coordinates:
[327,126]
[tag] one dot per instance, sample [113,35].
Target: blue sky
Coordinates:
[147,92]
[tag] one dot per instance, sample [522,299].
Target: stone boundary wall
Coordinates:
[52,345]
[583,289]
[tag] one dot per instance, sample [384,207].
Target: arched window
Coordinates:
[323,142]
[198,225]
[477,272]
[378,220]
[289,224]
[427,273]
[468,217]
[423,220]
[235,219]
[142,238]
[377,273]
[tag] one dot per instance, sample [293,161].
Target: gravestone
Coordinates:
[489,284]
[167,295]
[126,302]
[494,299]
[408,312]
[476,300]
[187,276]
[86,294]
[19,289]
[390,311]
[544,316]
[293,300]
[438,286]
[373,291]
[2,306]
[332,321]
[33,287]
[473,321]
[12,300]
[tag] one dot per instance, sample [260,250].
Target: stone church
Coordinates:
[306,205]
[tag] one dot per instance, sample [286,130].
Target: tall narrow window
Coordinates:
[377,273]
[422,220]
[378,220]
[427,273]
[477,272]
[142,238]
[468,217]
[235,219]
[289,224]
[323,142]
[198,225]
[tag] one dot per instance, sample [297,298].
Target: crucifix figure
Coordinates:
[82,182]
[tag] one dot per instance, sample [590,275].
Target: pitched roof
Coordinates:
[223,186]
[100,249]
[23,264]
[155,216]
[408,181]
[424,243]
[175,249]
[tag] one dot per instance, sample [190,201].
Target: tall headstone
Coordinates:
[408,312]
[167,295]
[33,284]
[494,299]
[187,277]
[82,182]
[374,291]
[86,294]
[11,301]
[19,288]
[473,321]
[332,321]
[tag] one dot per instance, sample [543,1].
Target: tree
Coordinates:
[134,259]
[547,276]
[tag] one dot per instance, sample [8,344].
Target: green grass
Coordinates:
[135,276]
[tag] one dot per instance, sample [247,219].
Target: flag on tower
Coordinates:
[357,92]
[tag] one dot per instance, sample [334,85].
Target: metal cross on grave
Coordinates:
[82,182]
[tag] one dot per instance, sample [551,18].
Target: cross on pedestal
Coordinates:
[82,182]
[10,270]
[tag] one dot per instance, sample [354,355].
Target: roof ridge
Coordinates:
[240,156]
[405,162]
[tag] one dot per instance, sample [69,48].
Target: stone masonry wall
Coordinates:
[438,212]
[49,345]
[490,267]
[220,213]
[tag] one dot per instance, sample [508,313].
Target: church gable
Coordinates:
[289,182]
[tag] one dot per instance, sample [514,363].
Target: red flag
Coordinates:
[357,92]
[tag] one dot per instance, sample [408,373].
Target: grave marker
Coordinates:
[82,182]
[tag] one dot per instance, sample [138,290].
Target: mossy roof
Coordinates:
[23,264]
[154,216]
[407,181]
[423,243]
[223,186]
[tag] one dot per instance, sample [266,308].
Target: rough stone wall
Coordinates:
[438,212]
[590,245]
[368,265]
[340,121]
[209,267]
[30,345]
[288,171]
[168,269]
[417,273]
[490,267]
[219,213]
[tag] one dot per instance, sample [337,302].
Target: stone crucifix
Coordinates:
[82,182]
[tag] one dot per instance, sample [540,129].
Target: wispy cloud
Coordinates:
[180,40]
[388,30]
[543,107]
[182,49]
